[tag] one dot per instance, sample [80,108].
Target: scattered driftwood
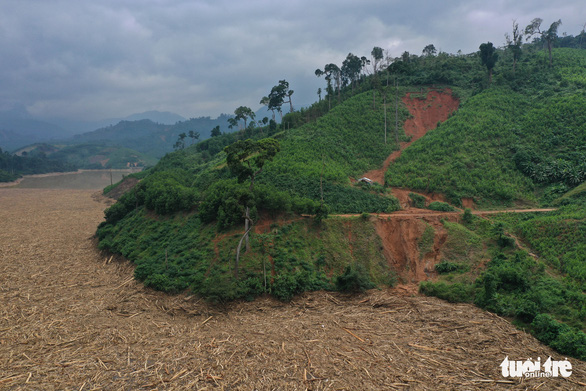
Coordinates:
[73,318]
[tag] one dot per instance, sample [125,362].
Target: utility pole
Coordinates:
[396,112]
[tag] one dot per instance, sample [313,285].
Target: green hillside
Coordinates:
[89,155]
[13,166]
[208,205]
[506,141]
[519,141]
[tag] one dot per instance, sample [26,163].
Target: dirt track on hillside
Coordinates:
[426,113]
[71,318]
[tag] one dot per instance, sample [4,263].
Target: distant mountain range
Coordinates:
[78,127]
[149,137]
[18,132]
[152,132]
[18,128]
[128,143]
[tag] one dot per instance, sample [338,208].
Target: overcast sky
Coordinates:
[97,59]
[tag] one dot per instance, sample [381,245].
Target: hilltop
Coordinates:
[445,140]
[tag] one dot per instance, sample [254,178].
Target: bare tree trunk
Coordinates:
[238,252]
[246,228]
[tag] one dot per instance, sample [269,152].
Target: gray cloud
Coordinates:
[94,59]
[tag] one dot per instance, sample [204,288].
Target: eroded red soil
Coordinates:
[436,107]
[402,234]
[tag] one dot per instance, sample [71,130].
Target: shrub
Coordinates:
[418,201]
[546,328]
[354,279]
[284,287]
[505,241]
[445,267]
[120,209]
[164,283]
[487,294]
[467,217]
[166,196]
[219,288]
[527,311]
[224,202]
[440,207]
[454,293]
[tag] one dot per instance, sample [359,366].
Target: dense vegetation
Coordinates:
[506,141]
[197,187]
[519,138]
[543,294]
[90,156]
[13,167]
[522,141]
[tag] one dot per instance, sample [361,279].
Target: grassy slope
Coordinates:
[549,138]
[469,155]
[349,138]
[345,143]
[178,251]
[472,154]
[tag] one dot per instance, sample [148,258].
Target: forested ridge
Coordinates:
[227,217]
[13,167]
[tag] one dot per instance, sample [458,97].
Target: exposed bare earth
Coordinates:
[71,320]
[436,107]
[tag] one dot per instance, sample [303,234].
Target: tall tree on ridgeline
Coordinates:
[333,71]
[265,101]
[194,136]
[278,94]
[232,122]
[216,131]
[351,68]
[277,97]
[514,43]
[180,143]
[290,101]
[549,35]
[377,56]
[429,50]
[364,62]
[489,57]
[243,113]
[320,73]
[327,73]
